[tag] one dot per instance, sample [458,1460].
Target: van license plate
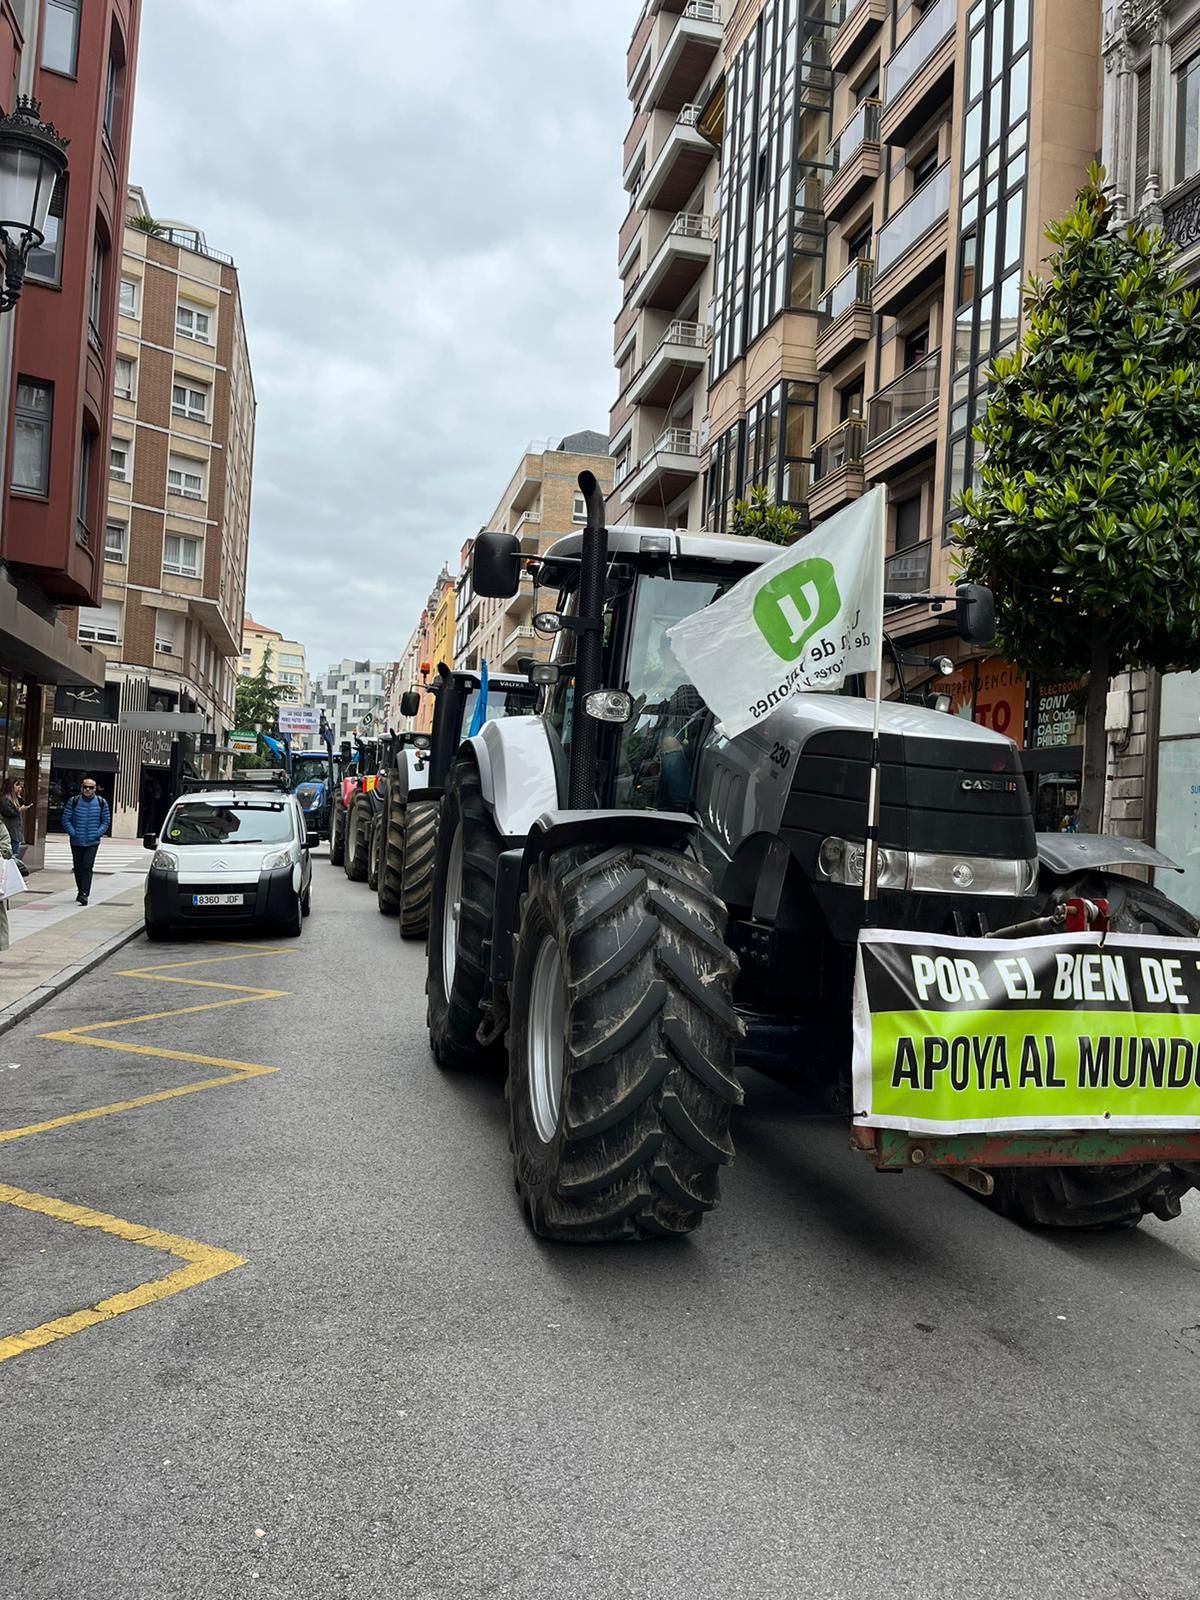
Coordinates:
[218,899]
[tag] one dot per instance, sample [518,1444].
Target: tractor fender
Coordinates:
[412,774]
[516,773]
[1064,854]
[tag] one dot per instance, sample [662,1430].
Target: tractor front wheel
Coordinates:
[358,843]
[337,835]
[460,923]
[621,1081]
[419,846]
[391,860]
[374,832]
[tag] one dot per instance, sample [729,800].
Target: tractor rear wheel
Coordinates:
[374,830]
[460,923]
[420,845]
[1089,1198]
[358,842]
[621,1081]
[391,859]
[337,834]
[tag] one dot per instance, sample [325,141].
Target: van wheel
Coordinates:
[460,923]
[293,927]
[158,932]
[621,1081]
[416,888]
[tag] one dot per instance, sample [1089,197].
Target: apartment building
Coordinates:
[349,694]
[1151,150]
[58,353]
[177,522]
[541,502]
[288,664]
[832,206]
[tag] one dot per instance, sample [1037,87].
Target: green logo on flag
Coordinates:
[795,604]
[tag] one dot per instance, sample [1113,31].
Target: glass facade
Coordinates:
[991,216]
[773,448]
[1177,809]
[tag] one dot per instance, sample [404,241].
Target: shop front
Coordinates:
[1177,797]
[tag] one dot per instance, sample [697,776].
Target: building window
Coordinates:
[166,633]
[112,96]
[181,555]
[908,522]
[188,401]
[83,533]
[45,259]
[123,379]
[185,478]
[103,625]
[966,270]
[192,322]
[129,297]
[924,167]
[579,508]
[916,347]
[119,455]
[114,541]
[291,661]
[1187,120]
[31,437]
[96,293]
[60,36]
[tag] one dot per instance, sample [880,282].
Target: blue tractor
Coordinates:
[314,776]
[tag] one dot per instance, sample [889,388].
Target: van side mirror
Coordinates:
[410,703]
[150,841]
[496,565]
[975,613]
[311,839]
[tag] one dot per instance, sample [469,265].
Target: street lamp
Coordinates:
[33,156]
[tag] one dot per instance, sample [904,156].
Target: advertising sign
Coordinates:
[244,744]
[988,1035]
[1058,715]
[299,719]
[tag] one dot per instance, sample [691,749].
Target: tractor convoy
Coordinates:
[624,906]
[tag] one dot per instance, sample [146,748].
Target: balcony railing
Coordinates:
[853,288]
[691,334]
[863,128]
[844,9]
[702,11]
[907,572]
[841,448]
[916,50]
[911,392]
[691,225]
[918,213]
[527,519]
[689,117]
[674,442]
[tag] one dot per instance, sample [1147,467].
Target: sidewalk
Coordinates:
[55,941]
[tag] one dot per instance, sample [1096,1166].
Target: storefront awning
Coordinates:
[83,760]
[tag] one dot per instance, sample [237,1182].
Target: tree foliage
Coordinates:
[258,698]
[760,518]
[1084,518]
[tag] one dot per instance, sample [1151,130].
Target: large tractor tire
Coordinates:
[391,861]
[337,835]
[358,842]
[621,1081]
[420,847]
[460,924]
[374,831]
[1104,1197]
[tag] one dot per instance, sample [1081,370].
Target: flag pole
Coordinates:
[871,851]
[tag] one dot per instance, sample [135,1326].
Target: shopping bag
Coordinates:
[11,881]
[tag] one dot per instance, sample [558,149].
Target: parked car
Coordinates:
[237,855]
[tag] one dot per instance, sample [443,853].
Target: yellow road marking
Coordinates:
[203,1262]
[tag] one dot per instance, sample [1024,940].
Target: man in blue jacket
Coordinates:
[87,819]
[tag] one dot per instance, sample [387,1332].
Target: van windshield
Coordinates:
[234,822]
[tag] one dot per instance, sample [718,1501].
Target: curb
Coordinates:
[37,998]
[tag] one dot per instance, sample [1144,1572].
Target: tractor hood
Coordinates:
[806,715]
[310,795]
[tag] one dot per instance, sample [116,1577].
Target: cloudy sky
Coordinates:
[422,201]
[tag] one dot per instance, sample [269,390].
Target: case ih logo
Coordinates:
[989,786]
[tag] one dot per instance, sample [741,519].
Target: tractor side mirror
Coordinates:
[410,703]
[975,613]
[496,565]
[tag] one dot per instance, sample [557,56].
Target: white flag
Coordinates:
[806,620]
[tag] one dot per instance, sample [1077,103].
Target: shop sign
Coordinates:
[991,693]
[1058,714]
[156,750]
[244,744]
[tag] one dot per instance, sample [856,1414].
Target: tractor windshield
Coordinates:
[507,702]
[658,746]
[310,769]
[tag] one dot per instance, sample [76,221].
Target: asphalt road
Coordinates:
[844,1385]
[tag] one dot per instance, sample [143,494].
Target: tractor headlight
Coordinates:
[923,872]
[165,861]
[608,705]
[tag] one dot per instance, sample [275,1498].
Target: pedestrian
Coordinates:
[6,852]
[12,814]
[87,818]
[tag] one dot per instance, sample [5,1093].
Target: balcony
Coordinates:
[520,604]
[860,22]
[686,58]
[855,160]
[669,467]
[680,357]
[902,419]
[838,468]
[845,314]
[678,263]
[679,166]
[910,248]
[517,642]
[907,572]
[919,73]
[528,524]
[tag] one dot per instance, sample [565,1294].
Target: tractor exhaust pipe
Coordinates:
[585,731]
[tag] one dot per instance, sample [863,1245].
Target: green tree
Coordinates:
[760,518]
[1084,517]
[146,224]
[257,701]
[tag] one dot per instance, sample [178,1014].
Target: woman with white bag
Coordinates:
[11,881]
